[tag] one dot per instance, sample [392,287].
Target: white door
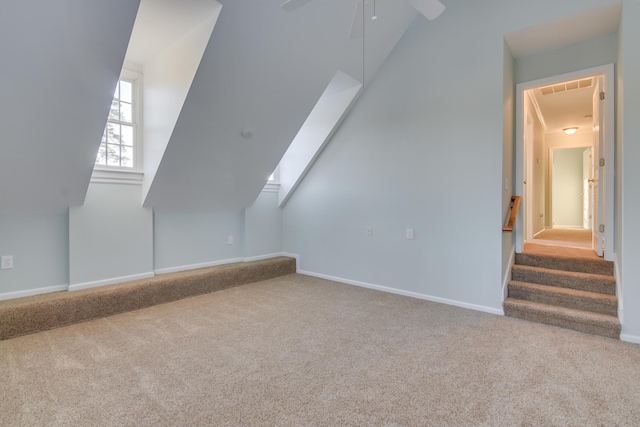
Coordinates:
[596,190]
[586,174]
[528,181]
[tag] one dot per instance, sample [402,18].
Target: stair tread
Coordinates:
[575,274]
[566,291]
[566,263]
[582,316]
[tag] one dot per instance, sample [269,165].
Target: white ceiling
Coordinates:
[566,109]
[161,22]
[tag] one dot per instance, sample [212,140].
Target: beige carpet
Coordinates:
[563,251]
[300,351]
[564,237]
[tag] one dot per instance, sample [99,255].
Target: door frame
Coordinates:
[607,177]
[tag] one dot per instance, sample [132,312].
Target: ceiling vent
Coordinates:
[566,86]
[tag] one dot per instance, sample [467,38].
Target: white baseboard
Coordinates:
[619,294]
[296,256]
[630,338]
[196,266]
[111,281]
[220,262]
[261,257]
[508,274]
[32,292]
[406,293]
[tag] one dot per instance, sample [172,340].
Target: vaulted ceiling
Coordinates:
[60,64]
[262,70]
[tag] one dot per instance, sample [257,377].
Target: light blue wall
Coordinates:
[188,239]
[40,248]
[508,149]
[111,235]
[423,149]
[263,226]
[567,187]
[112,238]
[586,54]
[414,153]
[628,155]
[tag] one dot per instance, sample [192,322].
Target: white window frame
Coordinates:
[121,174]
[273,185]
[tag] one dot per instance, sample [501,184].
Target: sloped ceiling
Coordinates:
[60,64]
[263,71]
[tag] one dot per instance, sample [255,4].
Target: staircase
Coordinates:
[569,292]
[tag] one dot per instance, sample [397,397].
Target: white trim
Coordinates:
[297,258]
[220,262]
[112,281]
[113,176]
[196,266]
[508,275]
[608,71]
[271,187]
[262,257]
[616,274]
[536,106]
[406,293]
[630,338]
[32,292]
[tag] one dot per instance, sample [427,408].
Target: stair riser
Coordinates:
[566,264]
[602,286]
[566,301]
[612,332]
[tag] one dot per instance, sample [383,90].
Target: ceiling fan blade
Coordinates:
[357,26]
[291,5]
[431,9]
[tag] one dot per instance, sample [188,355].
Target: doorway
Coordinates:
[561,122]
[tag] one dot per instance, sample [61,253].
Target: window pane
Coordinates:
[126,135]
[126,91]
[126,112]
[114,112]
[126,157]
[115,94]
[113,133]
[113,155]
[101,158]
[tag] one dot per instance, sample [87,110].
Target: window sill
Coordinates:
[271,187]
[113,176]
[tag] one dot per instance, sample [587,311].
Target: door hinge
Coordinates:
[601,96]
[601,161]
[601,228]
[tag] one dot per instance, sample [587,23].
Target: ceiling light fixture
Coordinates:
[374,17]
[570,131]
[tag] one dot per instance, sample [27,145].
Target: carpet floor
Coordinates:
[562,251]
[565,237]
[301,351]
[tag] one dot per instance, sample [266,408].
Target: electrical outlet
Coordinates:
[369,231]
[410,233]
[6,262]
[230,240]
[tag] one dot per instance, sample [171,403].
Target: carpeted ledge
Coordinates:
[28,315]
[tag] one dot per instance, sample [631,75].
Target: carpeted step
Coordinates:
[564,297]
[578,320]
[28,315]
[566,263]
[566,279]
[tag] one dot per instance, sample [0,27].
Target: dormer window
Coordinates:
[119,144]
